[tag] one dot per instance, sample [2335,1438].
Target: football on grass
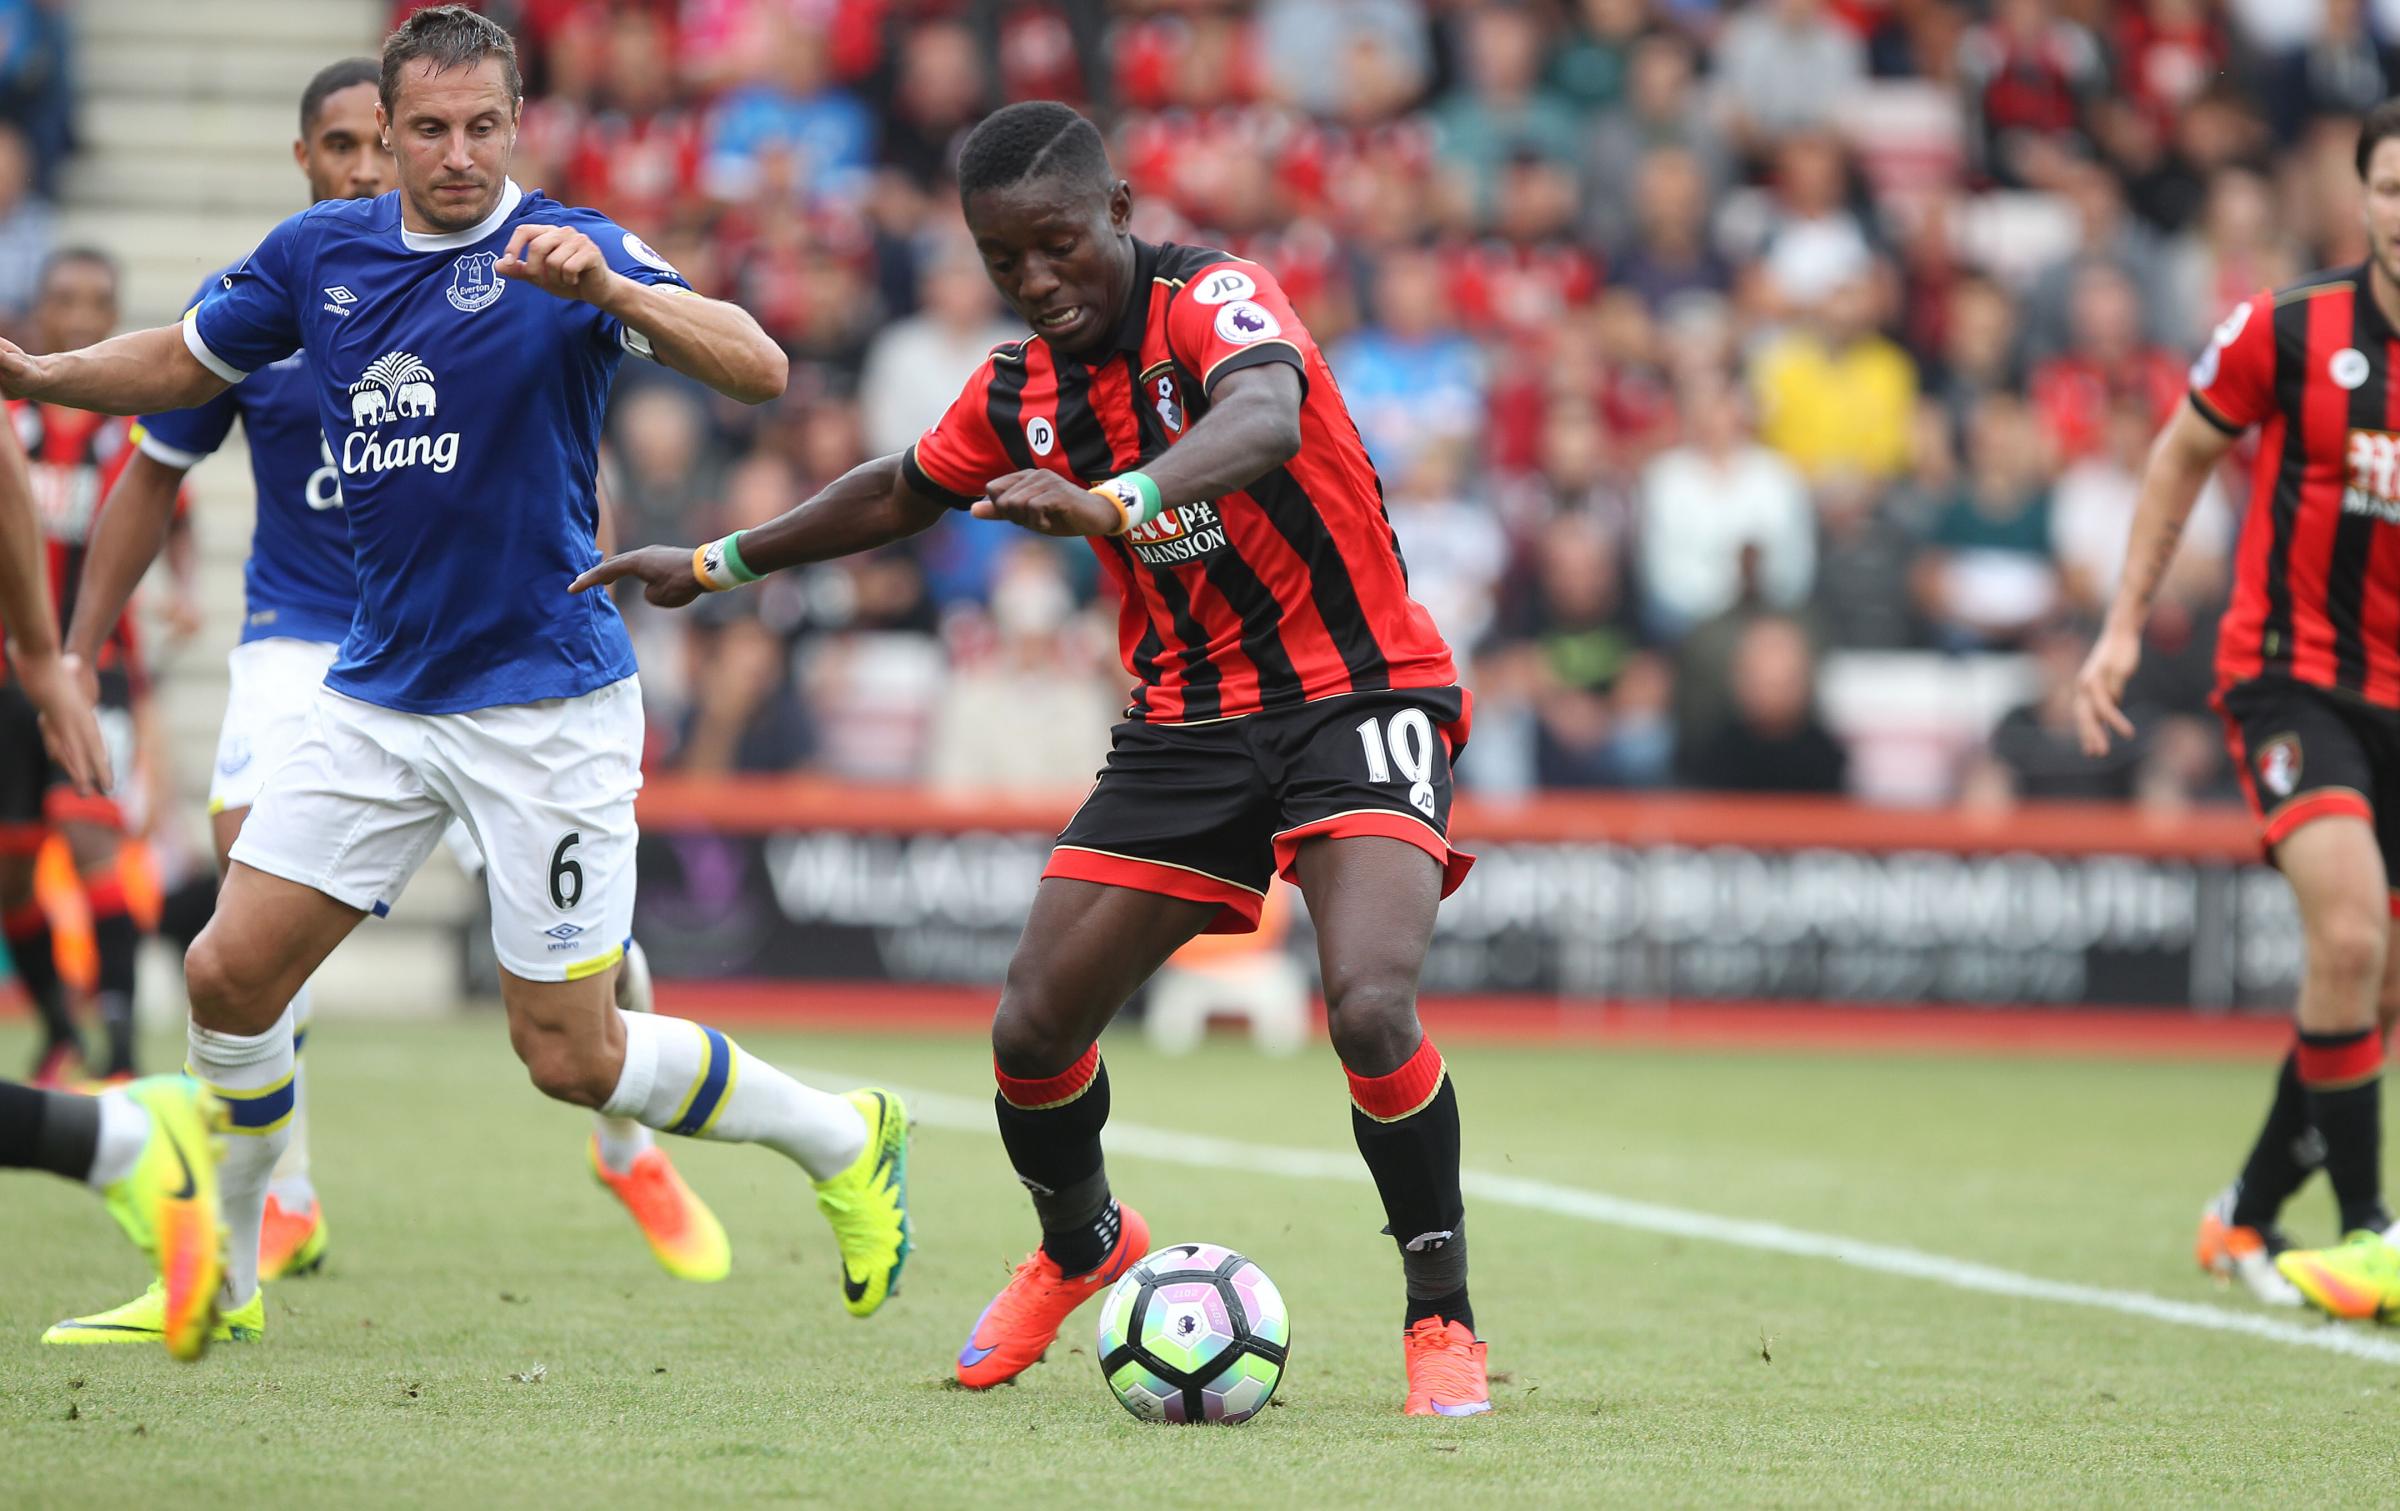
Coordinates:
[1194,1333]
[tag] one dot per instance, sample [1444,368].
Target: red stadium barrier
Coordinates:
[760,805]
[1678,919]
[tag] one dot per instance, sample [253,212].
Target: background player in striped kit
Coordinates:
[1296,711]
[2308,681]
[76,456]
[148,1147]
[300,592]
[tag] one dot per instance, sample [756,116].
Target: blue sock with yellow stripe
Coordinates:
[684,1077]
[253,1074]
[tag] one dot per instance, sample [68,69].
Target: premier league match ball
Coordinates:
[1194,1333]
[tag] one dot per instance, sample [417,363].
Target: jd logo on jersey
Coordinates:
[395,387]
[473,283]
[2374,463]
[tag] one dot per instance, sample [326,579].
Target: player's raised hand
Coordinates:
[2100,687]
[1045,502]
[555,259]
[63,694]
[665,573]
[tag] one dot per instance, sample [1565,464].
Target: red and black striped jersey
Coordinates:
[76,456]
[1289,590]
[2316,587]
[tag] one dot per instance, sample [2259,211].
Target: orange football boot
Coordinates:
[2234,1253]
[684,1235]
[1445,1371]
[291,1241]
[1018,1327]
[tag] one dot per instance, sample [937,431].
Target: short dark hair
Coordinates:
[2382,123]
[448,36]
[1034,139]
[331,80]
[69,256]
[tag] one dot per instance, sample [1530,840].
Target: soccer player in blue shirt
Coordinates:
[462,335]
[301,594]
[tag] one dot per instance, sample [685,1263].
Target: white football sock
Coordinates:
[253,1074]
[681,1077]
[291,1186]
[622,1140]
[124,1128]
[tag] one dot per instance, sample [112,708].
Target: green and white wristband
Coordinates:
[1135,496]
[719,565]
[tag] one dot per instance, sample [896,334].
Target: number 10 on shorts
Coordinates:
[1403,742]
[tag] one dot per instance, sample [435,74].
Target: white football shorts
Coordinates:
[271,685]
[546,789]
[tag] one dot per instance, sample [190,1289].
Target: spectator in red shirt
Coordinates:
[2030,75]
[2167,51]
[636,155]
[2107,362]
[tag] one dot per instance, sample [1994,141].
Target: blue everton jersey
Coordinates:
[463,413]
[298,582]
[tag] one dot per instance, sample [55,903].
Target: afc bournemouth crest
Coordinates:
[473,283]
[2279,765]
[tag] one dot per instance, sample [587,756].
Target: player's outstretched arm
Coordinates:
[870,505]
[1251,428]
[50,682]
[130,532]
[140,372]
[707,339]
[2181,459]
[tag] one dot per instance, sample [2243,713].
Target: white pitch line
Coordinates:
[943,1111]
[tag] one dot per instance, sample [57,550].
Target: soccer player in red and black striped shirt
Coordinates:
[2308,681]
[1296,712]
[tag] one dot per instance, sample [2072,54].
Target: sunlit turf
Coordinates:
[489,1329]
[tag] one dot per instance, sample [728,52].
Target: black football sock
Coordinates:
[48,1130]
[2288,1149]
[27,930]
[2344,1077]
[116,939]
[1406,1124]
[1051,1129]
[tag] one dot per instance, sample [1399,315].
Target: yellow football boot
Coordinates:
[867,1205]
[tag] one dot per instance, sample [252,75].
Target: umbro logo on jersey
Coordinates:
[563,931]
[396,386]
[338,300]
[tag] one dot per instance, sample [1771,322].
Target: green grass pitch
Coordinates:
[471,1246]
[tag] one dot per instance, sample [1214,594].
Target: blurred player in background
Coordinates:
[148,1147]
[76,456]
[301,592]
[462,337]
[2308,680]
[1296,715]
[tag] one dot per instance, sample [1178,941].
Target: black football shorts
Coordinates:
[2306,752]
[1214,812]
[35,794]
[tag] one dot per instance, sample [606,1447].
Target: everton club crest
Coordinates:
[473,282]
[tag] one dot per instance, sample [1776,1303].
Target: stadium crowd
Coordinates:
[1696,343]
